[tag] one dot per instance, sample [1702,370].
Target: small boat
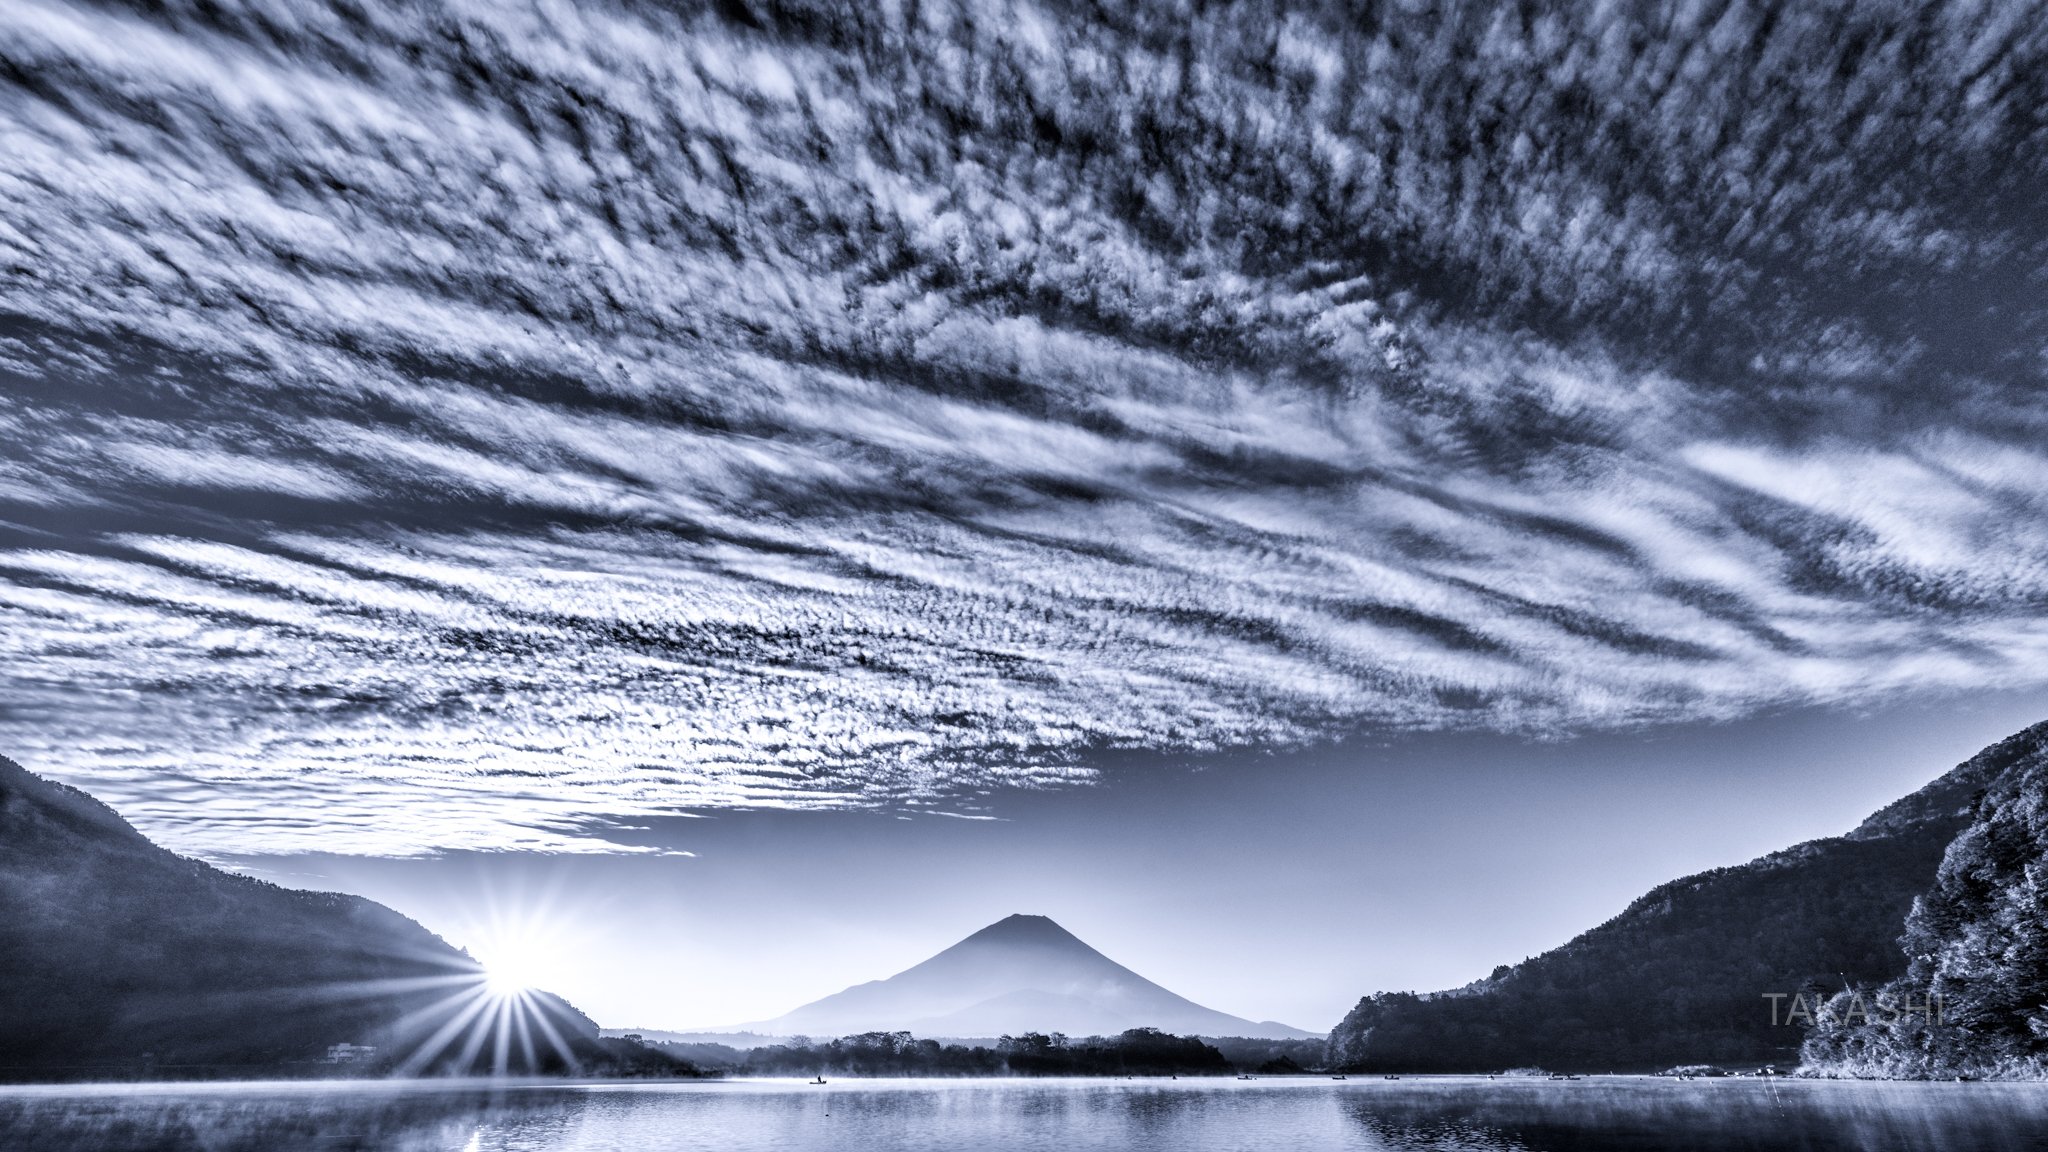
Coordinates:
[1340,1077]
[1390,1076]
[1247,1077]
[819,1080]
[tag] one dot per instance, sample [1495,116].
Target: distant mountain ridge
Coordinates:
[1020,974]
[120,957]
[1683,974]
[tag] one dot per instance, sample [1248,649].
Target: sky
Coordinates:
[1274,887]
[469,430]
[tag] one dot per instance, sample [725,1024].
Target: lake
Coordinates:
[1470,1114]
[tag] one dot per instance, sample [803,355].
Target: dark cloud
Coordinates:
[450,425]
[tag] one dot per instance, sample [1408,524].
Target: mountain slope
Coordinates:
[1973,1000]
[123,958]
[1020,974]
[1683,974]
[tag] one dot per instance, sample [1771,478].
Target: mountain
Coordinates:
[122,958]
[1683,975]
[1020,974]
[1973,1001]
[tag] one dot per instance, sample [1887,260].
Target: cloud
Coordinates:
[474,425]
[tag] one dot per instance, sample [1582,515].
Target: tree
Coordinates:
[1974,999]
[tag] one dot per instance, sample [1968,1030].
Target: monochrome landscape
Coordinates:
[791,574]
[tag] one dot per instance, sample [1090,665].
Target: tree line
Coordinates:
[1134,1052]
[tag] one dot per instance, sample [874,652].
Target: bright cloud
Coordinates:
[464,424]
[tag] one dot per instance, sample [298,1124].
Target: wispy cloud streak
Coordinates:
[457,425]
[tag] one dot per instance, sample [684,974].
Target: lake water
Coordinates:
[1448,1113]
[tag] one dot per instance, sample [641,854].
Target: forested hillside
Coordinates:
[1973,1001]
[1683,975]
[124,959]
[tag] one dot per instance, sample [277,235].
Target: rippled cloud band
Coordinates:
[474,425]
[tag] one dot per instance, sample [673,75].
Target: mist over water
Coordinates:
[1409,1115]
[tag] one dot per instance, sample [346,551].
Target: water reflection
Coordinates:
[266,1117]
[1625,1114]
[1413,1115]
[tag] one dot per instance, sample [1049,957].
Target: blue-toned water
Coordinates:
[1030,1115]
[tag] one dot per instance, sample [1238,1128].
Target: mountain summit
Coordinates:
[1020,974]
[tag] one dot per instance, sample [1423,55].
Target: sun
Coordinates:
[509,976]
[503,1013]
[522,950]
[520,958]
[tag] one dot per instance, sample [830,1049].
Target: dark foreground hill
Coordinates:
[1973,1001]
[1686,973]
[1021,974]
[123,959]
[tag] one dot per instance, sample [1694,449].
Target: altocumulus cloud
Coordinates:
[462,424]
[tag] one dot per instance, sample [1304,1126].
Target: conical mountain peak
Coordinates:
[1027,929]
[1021,973]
